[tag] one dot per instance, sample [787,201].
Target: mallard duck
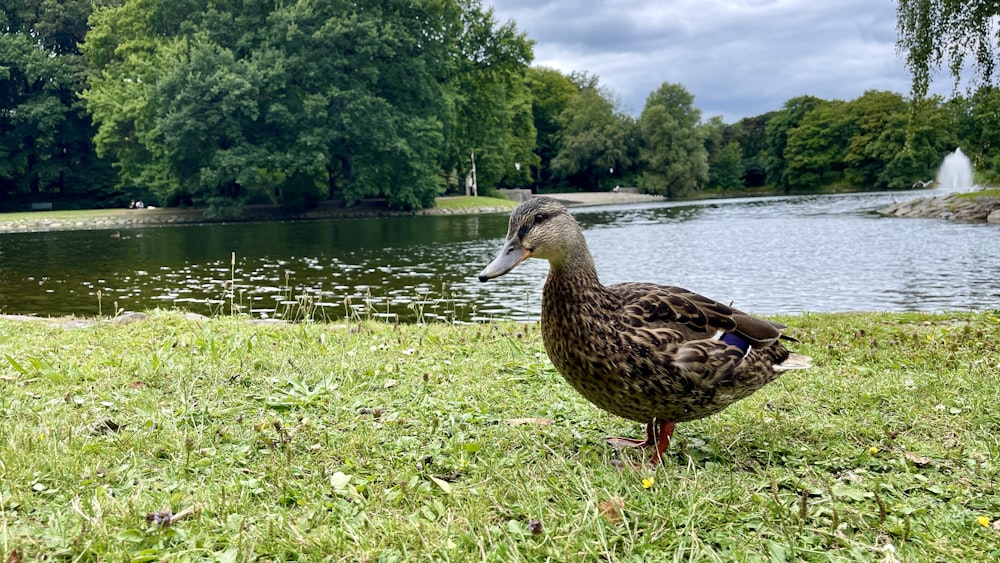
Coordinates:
[654,354]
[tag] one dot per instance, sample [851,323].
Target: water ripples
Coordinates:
[767,255]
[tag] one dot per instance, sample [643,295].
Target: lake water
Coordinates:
[766,255]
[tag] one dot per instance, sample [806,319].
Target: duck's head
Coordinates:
[539,228]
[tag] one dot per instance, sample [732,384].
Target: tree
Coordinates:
[816,147]
[551,92]
[751,135]
[673,146]
[367,119]
[726,170]
[228,103]
[491,102]
[949,32]
[778,127]
[725,156]
[928,139]
[44,132]
[594,140]
[200,140]
[880,115]
[974,121]
[125,47]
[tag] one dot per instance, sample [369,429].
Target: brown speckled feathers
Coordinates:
[639,350]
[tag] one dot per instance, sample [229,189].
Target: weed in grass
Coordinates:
[294,304]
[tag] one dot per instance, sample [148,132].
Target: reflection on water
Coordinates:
[767,255]
[388,266]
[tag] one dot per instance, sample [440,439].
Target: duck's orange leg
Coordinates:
[658,436]
[665,432]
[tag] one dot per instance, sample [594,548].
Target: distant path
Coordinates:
[603,198]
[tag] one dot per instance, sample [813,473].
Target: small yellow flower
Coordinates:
[873,450]
[648,483]
[983,521]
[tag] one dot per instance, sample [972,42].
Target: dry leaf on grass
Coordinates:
[611,509]
[917,460]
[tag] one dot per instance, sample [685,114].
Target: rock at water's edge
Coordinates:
[983,209]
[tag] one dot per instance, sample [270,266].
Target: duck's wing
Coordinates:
[656,306]
[706,355]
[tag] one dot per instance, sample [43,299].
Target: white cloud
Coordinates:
[739,58]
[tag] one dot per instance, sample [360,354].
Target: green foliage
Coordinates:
[673,154]
[596,140]
[490,101]
[233,102]
[962,36]
[226,103]
[751,134]
[778,129]
[726,171]
[45,149]
[974,119]
[725,156]
[881,120]
[551,92]
[816,147]
[930,136]
[936,33]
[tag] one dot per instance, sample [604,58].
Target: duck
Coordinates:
[654,354]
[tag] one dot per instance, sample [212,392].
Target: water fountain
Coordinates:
[955,173]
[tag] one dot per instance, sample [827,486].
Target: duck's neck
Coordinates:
[574,273]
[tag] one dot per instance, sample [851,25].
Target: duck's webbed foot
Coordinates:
[618,443]
[655,436]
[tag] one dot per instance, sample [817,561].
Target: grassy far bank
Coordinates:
[370,441]
[988,192]
[468,202]
[85,215]
[67,214]
[126,218]
[119,218]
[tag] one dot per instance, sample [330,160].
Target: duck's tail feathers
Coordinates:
[794,361]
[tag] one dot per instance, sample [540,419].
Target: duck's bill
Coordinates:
[509,257]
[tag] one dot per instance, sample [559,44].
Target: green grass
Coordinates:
[65,215]
[458,203]
[469,202]
[988,192]
[372,441]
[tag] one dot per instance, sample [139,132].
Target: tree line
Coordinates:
[231,102]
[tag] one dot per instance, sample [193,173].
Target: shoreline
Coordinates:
[954,207]
[94,219]
[984,209]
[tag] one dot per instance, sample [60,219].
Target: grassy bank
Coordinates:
[469,203]
[169,439]
[127,218]
[987,192]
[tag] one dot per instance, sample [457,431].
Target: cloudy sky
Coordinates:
[739,58]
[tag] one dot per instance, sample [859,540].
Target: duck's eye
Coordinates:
[540,217]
